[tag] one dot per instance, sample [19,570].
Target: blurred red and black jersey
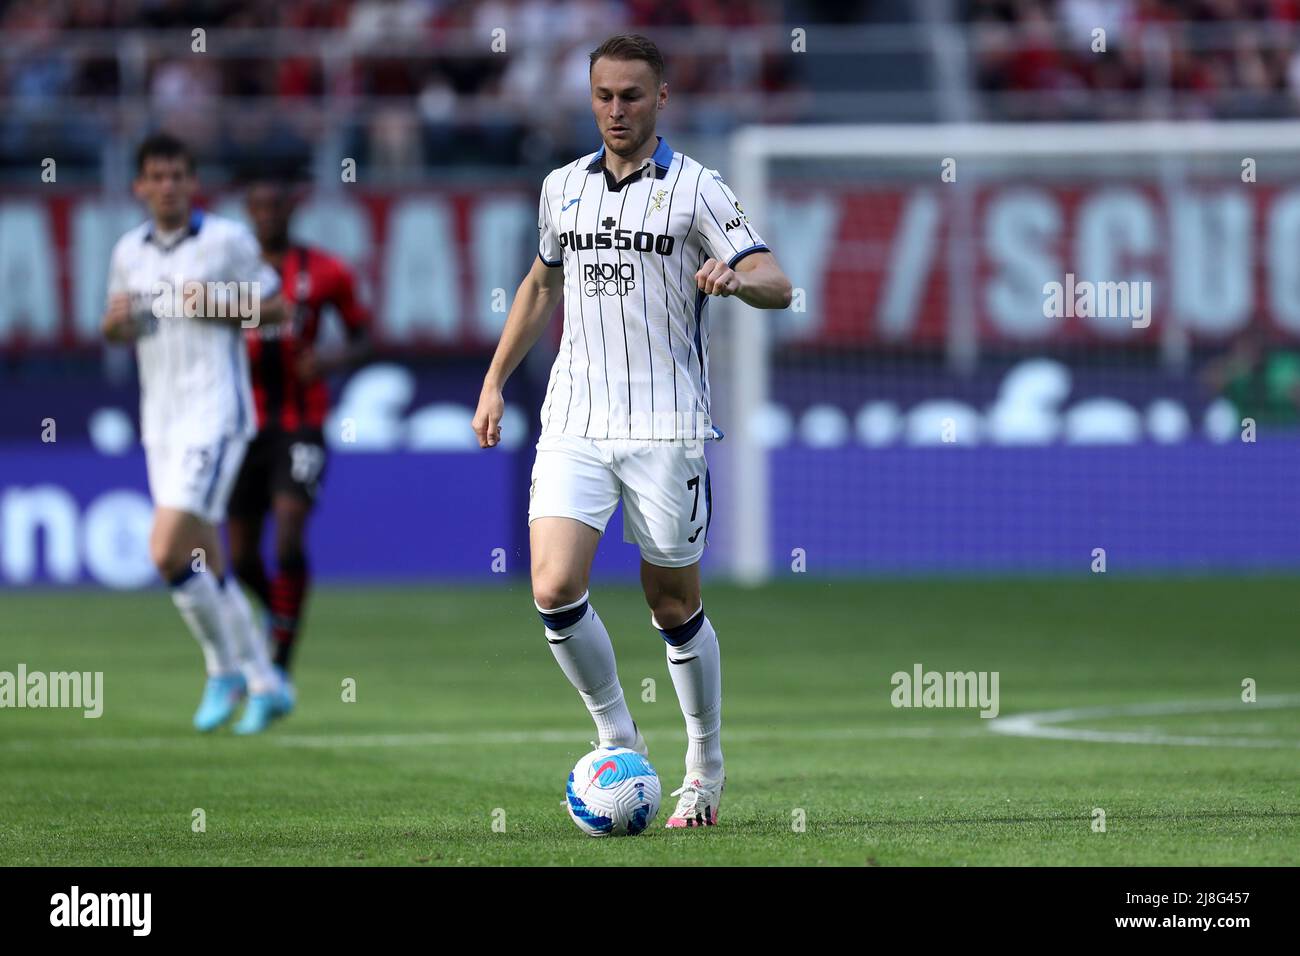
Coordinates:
[311,279]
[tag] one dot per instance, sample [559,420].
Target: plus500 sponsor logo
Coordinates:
[45,535]
[618,239]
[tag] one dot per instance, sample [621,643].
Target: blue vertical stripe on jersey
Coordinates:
[555,226]
[704,361]
[582,319]
[236,343]
[600,311]
[680,263]
[668,313]
[645,307]
[700,299]
[627,355]
[708,503]
[216,473]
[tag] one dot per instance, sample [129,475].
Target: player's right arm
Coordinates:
[118,324]
[535,302]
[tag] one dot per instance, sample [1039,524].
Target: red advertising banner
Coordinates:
[895,265]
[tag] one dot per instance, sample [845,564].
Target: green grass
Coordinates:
[808,726]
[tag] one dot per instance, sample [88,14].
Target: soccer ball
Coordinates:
[613,791]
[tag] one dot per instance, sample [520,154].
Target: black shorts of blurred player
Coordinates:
[281,476]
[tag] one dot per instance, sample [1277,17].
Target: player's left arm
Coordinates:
[756,280]
[740,262]
[118,324]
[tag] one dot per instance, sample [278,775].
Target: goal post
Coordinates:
[929,257]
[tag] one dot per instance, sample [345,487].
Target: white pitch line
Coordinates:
[1039,724]
[568,736]
[510,737]
[1042,724]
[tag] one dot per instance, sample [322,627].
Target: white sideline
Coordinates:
[1042,724]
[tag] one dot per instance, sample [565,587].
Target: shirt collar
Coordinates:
[191,229]
[662,158]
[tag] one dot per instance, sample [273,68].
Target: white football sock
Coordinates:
[696,670]
[199,601]
[247,639]
[581,645]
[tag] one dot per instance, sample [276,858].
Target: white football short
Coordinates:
[664,486]
[195,476]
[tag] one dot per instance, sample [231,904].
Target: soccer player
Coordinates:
[285,463]
[180,285]
[635,238]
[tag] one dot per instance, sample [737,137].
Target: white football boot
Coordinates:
[698,806]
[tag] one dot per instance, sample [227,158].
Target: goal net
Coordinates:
[1015,348]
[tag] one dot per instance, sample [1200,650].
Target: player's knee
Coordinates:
[163,551]
[551,594]
[671,610]
[161,559]
[167,558]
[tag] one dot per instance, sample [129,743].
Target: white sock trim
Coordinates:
[698,611]
[586,596]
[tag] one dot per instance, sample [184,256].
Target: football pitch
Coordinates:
[1122,696]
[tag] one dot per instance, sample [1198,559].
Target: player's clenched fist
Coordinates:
[487,420]
[117,325]
[717,278]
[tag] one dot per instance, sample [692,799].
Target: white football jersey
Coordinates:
[193,372]
[634,358]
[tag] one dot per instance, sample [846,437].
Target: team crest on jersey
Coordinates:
[657,200]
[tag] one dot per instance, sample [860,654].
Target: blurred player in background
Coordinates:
[634,239]
[285,464]
[196,412]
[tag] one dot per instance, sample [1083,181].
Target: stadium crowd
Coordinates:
[1035,59]
[405,85]
[413,90]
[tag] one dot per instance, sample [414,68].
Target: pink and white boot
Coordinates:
[698,803]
